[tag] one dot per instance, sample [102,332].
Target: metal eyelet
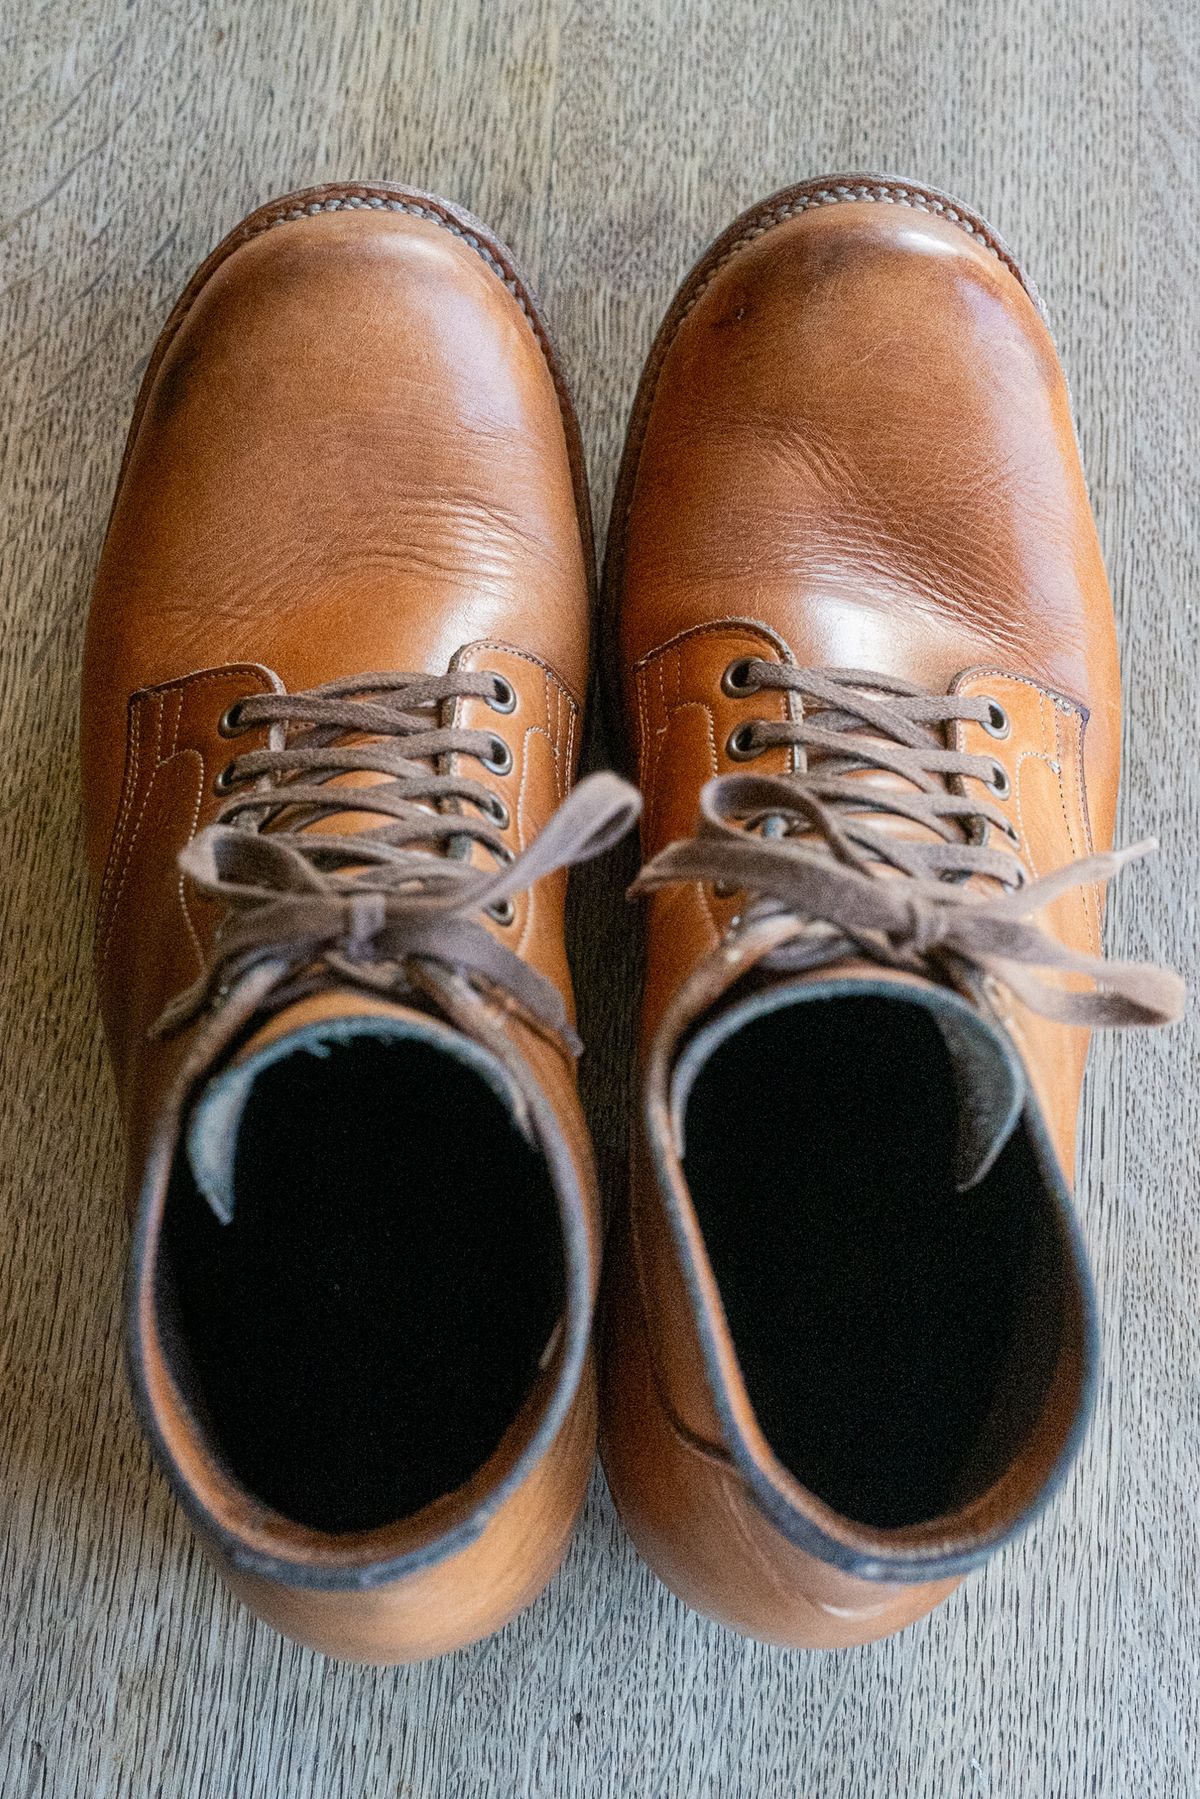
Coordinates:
[500,760]
[737,680]
[1000,784]
[997,723]
[227,780]
[740,745]
[505,697]
[497,811]
[230,723]
[503,911]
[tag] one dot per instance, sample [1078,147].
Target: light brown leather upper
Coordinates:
[857,451]
[352,453]
[852,447]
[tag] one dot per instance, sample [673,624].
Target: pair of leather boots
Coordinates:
[859,644]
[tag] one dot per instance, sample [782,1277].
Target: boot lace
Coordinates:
[817,850]
[396,905]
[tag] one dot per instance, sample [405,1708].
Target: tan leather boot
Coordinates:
[331,713]
[860,625]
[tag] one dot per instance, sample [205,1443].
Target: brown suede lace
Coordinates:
[384,907]
[814,847]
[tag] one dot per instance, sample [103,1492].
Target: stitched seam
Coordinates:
[102,960]
[187,915]
[132,776]
[467,658]
[370,200]
[659,1384]
[643,735]
[525,899]
[1089,922]
[1085,819]
[572,714]
[722,627]
[127,858]
[361,198]
[690,706]
[1055,769]
[731,628]
[834,196]
[159,695]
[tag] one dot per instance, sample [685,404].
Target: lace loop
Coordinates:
[369,904]
[831,864]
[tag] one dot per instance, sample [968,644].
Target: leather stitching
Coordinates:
[1079,828]
[722,627]
[121,850]
[130,783]
[835,196]
[128,848]
[184,907]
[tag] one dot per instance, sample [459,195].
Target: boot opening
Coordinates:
[897,1336]
[358,1338]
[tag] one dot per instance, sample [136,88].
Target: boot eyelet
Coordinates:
[497,811]
[499,759]
[503,911]
[997,723]
[741,746]
[227,780]
[737,681]
[505,697]
[1000,784]
[231,723]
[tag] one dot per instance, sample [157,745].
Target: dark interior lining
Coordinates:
[897,1337]
[359,1338]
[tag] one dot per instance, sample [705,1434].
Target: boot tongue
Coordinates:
[988,1078]
[314,1026]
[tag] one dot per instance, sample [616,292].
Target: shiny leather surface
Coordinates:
[852,446]
[353,451]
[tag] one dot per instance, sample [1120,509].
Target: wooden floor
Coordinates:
[607,141]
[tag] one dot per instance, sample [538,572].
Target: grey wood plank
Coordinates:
[607,142]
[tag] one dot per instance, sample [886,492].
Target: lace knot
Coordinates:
[911,897]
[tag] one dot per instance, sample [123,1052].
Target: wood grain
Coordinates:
[607,142]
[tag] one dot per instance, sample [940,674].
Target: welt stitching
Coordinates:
[834,196]
[364,200]
[765,221]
